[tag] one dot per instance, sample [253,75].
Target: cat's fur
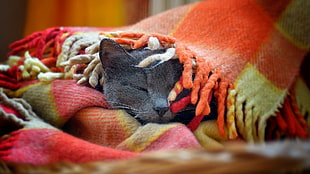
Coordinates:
[141,91]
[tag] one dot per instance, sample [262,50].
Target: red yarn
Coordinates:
[281,122]
[9,110]
[44,41]
[179,105]
[294,127]
[9,85]
[25,40]
[14,72]
[7,78]
[40,41]
[193,125]
[49,61]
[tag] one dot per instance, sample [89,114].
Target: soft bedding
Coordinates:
[246,55]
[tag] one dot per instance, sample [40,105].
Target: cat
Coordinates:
[141,91]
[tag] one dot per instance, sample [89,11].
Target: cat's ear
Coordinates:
[113,55]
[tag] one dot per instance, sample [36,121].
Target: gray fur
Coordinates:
[142,92]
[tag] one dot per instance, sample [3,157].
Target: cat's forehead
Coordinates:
[139,64]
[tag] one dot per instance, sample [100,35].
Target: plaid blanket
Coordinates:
[244,54]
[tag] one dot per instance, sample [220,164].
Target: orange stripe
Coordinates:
[238,26]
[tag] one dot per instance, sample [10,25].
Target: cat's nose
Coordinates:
[161,107]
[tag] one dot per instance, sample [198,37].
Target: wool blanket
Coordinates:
[245,55]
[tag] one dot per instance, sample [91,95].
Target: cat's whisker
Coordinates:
[125,107]
[122,106]
[141,112]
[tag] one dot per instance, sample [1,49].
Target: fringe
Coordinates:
[43,48]
[290,121]
[221,95]
[231,113]
[40,42]
[25,118]
[286,120]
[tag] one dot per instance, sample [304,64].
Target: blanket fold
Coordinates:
[42,146]
[101,135]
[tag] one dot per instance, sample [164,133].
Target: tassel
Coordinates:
[281,122]
[221,94]
[193,125]
[231,113]
[294,127]
[201,77]
[187,74]
[185,57]
[203,106]
[181,104]
[7,78]
[9,85]
[178,88]
[49,61]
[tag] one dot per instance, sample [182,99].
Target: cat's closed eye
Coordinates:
[135,86]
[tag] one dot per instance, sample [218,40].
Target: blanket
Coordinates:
[243,54]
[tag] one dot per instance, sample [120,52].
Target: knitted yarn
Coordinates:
[244,55]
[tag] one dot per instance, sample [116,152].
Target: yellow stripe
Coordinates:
[256,100]
[18,93]
[294,23]
[146,135]
[127,122]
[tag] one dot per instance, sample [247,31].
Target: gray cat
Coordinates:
[142,92]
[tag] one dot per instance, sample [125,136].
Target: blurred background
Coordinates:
[22,17]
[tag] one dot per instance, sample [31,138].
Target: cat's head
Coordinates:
[141,91]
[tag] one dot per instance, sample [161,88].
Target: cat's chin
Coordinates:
[155,118]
